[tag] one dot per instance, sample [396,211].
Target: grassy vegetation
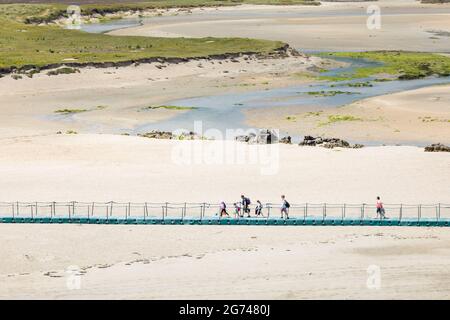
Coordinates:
[70,111]
[403,65]
[431,119]
[435,1]
[328,93]
[22,45]
[38,13]
[170,107]
[354,84]
[313,113]
[333,118]
[26,45]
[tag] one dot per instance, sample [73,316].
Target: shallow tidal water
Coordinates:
[224,112]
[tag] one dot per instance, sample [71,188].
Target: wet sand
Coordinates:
[116,98]
[210,262]
[420,116]
[405,25]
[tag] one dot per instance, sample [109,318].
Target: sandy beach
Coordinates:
[88,167]
[415,116]
[195,262]
[95,155]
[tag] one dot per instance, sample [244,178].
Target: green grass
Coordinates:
[313,114]
[435,1]
[328,93]
[403,65]
[170,107]
[24,45]
[355,84]
[333,118]
[38,13]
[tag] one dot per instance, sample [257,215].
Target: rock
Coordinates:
[310,141]
[329,143]
[155,134]
[437,147]
[264,136]
[244,138]
[286,140]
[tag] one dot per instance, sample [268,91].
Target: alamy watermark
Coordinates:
[374,19]
[262,151]
[74,17]
[374,277]
[73,278]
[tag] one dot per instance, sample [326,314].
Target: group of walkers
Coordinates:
[242,208]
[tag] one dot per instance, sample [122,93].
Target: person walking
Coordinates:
[237,210]
[245,205]
[380,209]
[258,209]
[284,207]
[223,209]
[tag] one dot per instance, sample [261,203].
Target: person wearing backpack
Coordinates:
[245,205]
[284,207]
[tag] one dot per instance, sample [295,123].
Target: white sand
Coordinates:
[120,168]
[209,262]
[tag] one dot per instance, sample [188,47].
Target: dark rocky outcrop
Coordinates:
[437,147]
[155,134]
[264,136]
[329,143]
[286,140]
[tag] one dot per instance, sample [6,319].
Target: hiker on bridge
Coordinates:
[380,209]
[284,207]
[258,209]
[245,205]
[223,209]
